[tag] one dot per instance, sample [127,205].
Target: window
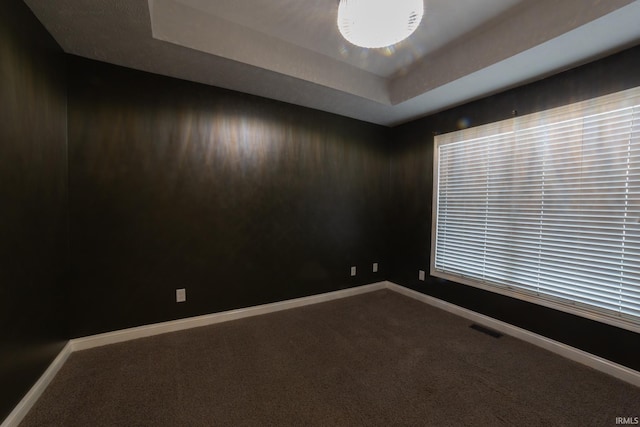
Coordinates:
[546,208]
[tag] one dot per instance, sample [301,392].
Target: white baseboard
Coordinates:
[24,406]
[595,362]
[603,365]
[210,319]
[27,402]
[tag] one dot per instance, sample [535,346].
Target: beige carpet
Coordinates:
[374,359]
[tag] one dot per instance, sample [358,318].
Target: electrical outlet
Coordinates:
[375,267]
[353,270]
[181,295]
[421,275]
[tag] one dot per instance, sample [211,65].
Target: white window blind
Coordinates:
[546,207]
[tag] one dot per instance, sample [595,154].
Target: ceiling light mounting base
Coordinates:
[378,23]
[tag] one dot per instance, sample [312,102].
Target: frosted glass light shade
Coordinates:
[378,23]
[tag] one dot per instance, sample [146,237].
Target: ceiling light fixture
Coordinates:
[378,23]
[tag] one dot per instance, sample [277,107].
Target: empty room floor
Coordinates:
[374,359]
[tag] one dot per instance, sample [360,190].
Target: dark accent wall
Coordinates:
[411,194]
[33,197]
[241,200]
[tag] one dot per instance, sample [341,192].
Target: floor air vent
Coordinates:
[487,331]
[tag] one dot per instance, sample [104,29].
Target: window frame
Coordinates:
[628,322]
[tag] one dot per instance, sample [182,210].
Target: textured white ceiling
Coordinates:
[311,24]
[291,50]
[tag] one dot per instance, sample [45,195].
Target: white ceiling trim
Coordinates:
[528,41]
[182,25]
[522,29]
[572,48]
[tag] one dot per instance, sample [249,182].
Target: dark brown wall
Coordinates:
[411,194]
[238,199]
[33,199]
